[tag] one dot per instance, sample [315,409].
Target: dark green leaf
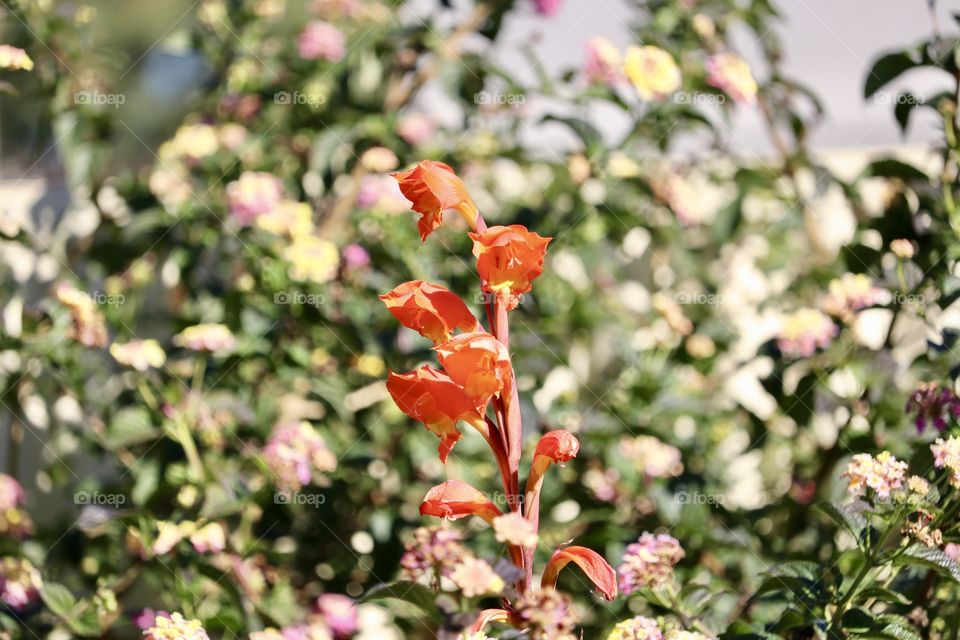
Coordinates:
[410,592]
[886,69]
[919,555]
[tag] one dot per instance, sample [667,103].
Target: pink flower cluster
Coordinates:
[20,582]
[252,195]
[649,562]
[14,521]
[851,293]
[882,474]
[432,551]
[321,41]
[946,455]
[653,458]
[805,331]
[295,453]
[175,627]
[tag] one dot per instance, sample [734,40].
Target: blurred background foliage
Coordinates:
[674,269]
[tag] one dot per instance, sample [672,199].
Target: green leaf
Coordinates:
[919,555]
[130,426]
[849,516]
[147,479]
[890,168]
[886,69]
[592,138]
[409,592]
[58,599]
[883,595]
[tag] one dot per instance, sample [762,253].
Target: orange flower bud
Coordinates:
[509,259]
[555,447]
[429,309]
[455,499]
[432,187]
[592,563]
[437,401]
[479,363]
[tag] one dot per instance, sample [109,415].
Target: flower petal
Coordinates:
[592,563]
[455,499]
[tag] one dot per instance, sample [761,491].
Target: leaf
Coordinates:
[890,168]
[883,595]
[58,599]
[130,426]
[849,516]
[886,69]
[592,138]
[919,555]
[905,105]
[409,592]
[147,480]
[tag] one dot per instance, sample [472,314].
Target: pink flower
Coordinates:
[146,618]
[11,493]
[804,331]
[321,41]
[339,613]
[295,453]
[953,551]
[882,474]
[355,256]
[252,195]
[209,539]
[432,549]
[206,337]
[649,562]
[603,62]
[730,74]
[415,128]
[20,582]
[547,7]
[175,627]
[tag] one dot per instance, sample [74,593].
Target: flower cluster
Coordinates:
[932,403]
[882,473]
[88,324]
[851,293]
[212,338]
[652,457]
[139,354]
[637,628]
[649,562]
[14,521]
[296,454]
[730,74]
[14,58]
[20,582]
[175,627]
[804,331]
[946,455]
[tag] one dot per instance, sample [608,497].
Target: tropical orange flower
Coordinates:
[479,363]
[437,401]
[509,259]
[432,187]
[555,447]
[455,499]
[592,563]
[429,309]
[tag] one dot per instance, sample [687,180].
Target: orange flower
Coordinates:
[437,401]
[597,569]
[429,309]
[455,499]
[555,447]
[479,363]
[509,259]
[432,187]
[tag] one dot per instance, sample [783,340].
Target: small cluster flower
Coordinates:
[14,58]
[14,521]
[175,627]
[253,194]
[638,628]
[475,577]
[547,613]
[882,473]
[918,528]
[946,455]
[139,354]
[20,582]
[603,62]
[804,331]
[212,338]
[88,325]
[902,248]
[312,259]
[296,453]
[289,218]
[677,193]
[932,403]
[652,457]
[513,528]
[321,41]
[731,74]
[415,128]
[649,562]
[652,71]
[432,551]
[851,293]
[339,613]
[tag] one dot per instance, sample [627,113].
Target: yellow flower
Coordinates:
[652,71]
[371,365]
[139,354]
[312,259]
[291,218]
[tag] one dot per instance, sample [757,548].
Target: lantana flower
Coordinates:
[509,259]
[547,613]
[603,62]
[210,538]
[851,293]
[139,354]
[339,613]
[14,521]
[321,40]
[637,628]
[475,577]
[731,74]
[14,58]
[252,195]
[804,331]
[312,259]
[652,457]
[213,338]
[649,562]
[652,71]
[415,128]
[175,627]
[882,473]
[432,550]
[946,455]
[431,310]
[432,188]
[88,324]
[20,582]
[296,454]
[513,528]
[289,218]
